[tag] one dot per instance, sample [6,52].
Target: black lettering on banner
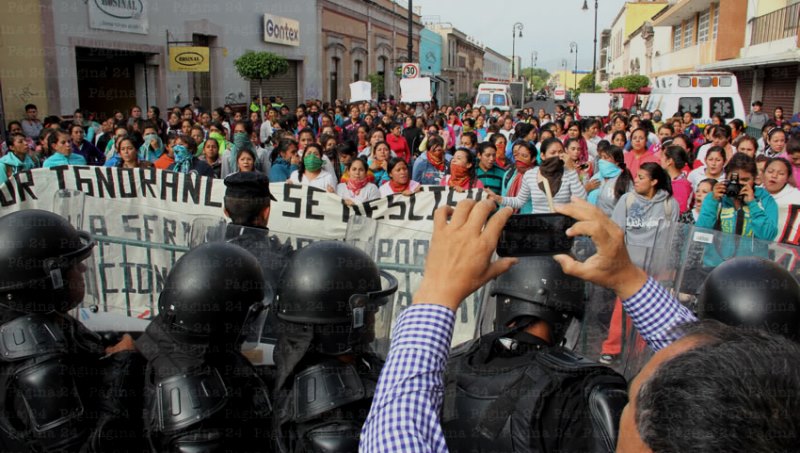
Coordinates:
[148,232]
[384,249]
[411,203]
[437,198]
[121,172]
[450,200]
[160,277]
[401,251]
[12,195]
[136,278]
[289,197]
[83,184]
[107,277]
[369,209]
[346,211]
[169,180]
[169,231]
[147,179]
[127,288]
[24,186]
[791,232]
[191,187]
[105,182]
[97,225]
[126,226]
[311,202]
[420,249]
[209,191]
[60,170]
[400,203]
[144,275]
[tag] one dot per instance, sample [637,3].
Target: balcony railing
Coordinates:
[779,24]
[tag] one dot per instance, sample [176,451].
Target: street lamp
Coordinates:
[594,50]
[517,27]
[573,46]
[534,57]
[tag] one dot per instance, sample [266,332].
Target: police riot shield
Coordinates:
[688,256]
[401,251]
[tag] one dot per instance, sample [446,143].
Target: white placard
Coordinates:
[360,91]
[128,16]
[280,30]
[415,90]
[594,104]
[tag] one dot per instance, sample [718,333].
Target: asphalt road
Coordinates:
[549,105]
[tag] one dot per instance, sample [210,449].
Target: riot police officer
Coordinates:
[60,389]
[516,389]
[326,372]
[752,292]
[201,393]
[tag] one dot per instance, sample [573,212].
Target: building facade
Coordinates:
[430,62]
[615,46]
[101,56]
[496,66]
[364,41]
[462,59]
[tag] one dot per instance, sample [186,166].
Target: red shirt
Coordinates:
[164,162]
[399,145]
[633,163]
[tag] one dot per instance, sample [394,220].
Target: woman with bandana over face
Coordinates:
[462,175]
[185,160]
[524,160]
[310,171]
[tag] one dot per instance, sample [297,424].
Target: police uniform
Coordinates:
[201,393]
[512,391]
[58,389]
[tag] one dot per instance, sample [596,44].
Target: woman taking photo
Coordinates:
[550,177]
[703,188]
[780,183]
[574,159]
[400,181]
[129,156]
[310,172]
[462,175]
[357,189]
[713,169]
[612,179]
[673,159]
[640,214]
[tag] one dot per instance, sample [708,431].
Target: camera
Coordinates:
[733,187]
[535,235]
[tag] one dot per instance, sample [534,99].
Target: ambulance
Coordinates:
[702,93]
[491,95]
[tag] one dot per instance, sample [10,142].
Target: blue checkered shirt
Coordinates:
[405,410]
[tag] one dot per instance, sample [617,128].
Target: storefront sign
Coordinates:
[128,16]
[188,59]
[281,30]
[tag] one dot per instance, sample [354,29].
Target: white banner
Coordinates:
[594,104]
[142,219]
[360,91]
[415,90]
[128,16]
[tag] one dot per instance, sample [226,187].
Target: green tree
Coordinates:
[260,66]
[377,82]
[632,83]
[585,84]
[536,77]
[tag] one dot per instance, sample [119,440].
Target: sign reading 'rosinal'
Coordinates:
[281,30]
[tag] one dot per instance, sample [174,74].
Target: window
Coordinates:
[676,37]
[702,26]
[694,105]
[483,99]
[688,33]
[357,72]
[722,107]
[716,20]
[499,99]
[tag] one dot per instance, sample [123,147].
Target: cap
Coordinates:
[248,184]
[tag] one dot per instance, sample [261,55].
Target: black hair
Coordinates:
[531,149]
[625,179]
[30,106]
[10,140]
[358,159]
[785,163]
[435,141]
[393,162]
[245,211]
[603,145]
[248,126]
[614,135]
[678,155]
[668,127]
[11,123]
[546,144]
[283,145]
[53,138]
[717,149]
[472,136]
[483,146]
[472,170]
[156,111]
[191,145]
[301,168]
[496,137]
[740,382]
[521,130]
[741,162]
[659,174]
[722,131]
[248,151]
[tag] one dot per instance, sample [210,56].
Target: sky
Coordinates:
[549,26]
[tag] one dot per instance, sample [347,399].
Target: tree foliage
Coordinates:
[260,65]
[632,83]
[377,81]
[585,84]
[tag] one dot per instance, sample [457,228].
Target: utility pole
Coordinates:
[410,30]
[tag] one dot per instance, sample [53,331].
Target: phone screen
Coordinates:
[535,234]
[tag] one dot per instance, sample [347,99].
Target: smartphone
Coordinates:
[535,234]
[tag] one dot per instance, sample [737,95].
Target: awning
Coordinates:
[437,79]
[792,56]
[643,90]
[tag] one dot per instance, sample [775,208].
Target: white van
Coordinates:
[491,95]
[560,93]
[702,93]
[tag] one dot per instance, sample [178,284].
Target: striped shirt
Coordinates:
[404,416]
[492,179]
[570,186]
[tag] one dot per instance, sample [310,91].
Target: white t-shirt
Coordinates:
[699,174]
[788,196]
[322,181]
[367,193]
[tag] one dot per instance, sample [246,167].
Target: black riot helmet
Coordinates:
[211,294]
[37,250]
[537,287]
[336,288]
[754,293]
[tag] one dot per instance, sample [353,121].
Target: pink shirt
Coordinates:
[633,163]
